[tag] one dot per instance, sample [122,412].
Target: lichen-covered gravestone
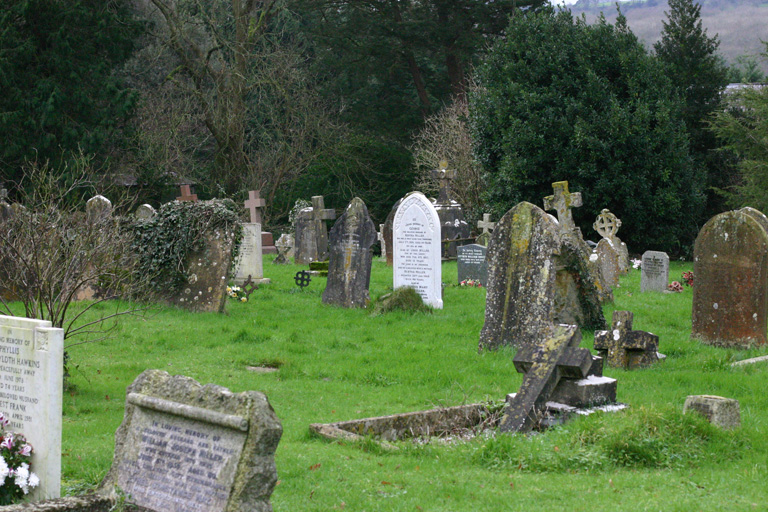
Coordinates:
[731,268]
[416,248]
[31,368]
[311,239]
[349,266]
[207,271]
[284,247]
[607,226]
[654,273]
[621,347]
[145,212]
[183,447]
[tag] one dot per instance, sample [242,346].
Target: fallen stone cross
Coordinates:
[621,347]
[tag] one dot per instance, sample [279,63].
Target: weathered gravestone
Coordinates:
[525,258]
[654,274]
[416,248]
[208,270]
[621,347]
[31,369]
[249,257]
[452,223]
[547,365]
[607,226]
[472,264]
[183,447]
[722,412]
[98,209]
[487,226]
[731,268]
[386,233]
[284,249]
[349,266]
[607,263]
[311,239]
[145,212]
[382,241]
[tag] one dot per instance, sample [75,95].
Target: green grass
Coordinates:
[336,364]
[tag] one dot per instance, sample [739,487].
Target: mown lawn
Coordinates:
[338,364]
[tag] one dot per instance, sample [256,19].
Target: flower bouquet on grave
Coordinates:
[237,293]
[15,477]
[688,278]
[675,286]
[471,282]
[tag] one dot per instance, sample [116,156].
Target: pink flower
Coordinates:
[26,450]
[7,442]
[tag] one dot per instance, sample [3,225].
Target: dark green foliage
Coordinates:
[745,69]
[562,100]
[163,242]
[700,76]
[58,90]
[401,299]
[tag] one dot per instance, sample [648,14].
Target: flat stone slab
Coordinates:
[722,412]
[754,360]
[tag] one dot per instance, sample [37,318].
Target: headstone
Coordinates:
[387,233]
[349,265]
[723,412]
[253,204]
[249,259]
[453,226]
[98,208]
[416,248]
[472,264]
[268,243]
[284,249]
[608,263]
[382,241]
[607,226]
[208,271]
[312,233]
[145,212]
[730,299]
[621,347]
[654,275]
[562,201]
[183,447]
[186,194]
[31,369]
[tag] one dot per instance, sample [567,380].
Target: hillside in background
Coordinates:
[739,25]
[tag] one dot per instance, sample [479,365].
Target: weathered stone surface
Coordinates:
[386,233]
[208,270]
[607,226]
[472,264]
[723,412]
[98,208]
[249,259]
[183,447]
[654,274]
[587,392]
[416,251]
[311,239]
[608,263]
[621,347]
[349,266]
[87,503]
[284,247]
[730,299]
[751,360]
[452,223]
[32,372]
[145,212]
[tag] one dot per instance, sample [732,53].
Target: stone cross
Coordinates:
[486,225]
[186,194]
[621,347]
[444,176]
[544,365]
[562,201]
[319,212]
[253,204]
[607,224]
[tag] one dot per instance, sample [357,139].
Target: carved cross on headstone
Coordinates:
[621,347]
[486,225]
[444,176]
[253,204]
[186,194]
[607,224]
[544,365]
[562,201]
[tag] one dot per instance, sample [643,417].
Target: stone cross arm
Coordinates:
[486,223]
[618,343]
[253,204]
[186,194]
[562,201]
[319,212]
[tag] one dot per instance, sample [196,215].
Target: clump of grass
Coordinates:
[659,438]
[401,299]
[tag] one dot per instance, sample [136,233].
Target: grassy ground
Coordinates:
[338,364]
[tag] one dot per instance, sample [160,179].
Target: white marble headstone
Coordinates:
[416,248]
[31,375]
[249,260]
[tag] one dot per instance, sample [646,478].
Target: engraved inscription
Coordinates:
[18,372]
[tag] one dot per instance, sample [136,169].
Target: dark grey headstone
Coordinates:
[621,347]
[472,264]
[305,241]
[349,266]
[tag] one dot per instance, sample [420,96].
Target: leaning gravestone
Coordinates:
[349,266]
[416,248]
[471,263]
[183,447]
[654,276]
[31,366]
[731,268]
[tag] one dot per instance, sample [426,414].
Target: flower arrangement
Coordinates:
[237,293]
[15,477]
[637,263]
[675,286]
[471,282]
[688,278]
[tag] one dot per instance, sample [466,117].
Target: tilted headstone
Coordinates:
[284,246]
[472,264]
[452,223]
[186,194]
[185,447]
[607,226]
[31,369]
[98,208]
[349,265]
[654,274]
[621,347]
[145,212]
[416,248]
[730,298]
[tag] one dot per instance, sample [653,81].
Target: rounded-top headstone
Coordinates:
[98,208]
[145,212]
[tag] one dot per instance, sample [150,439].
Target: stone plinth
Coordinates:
[723,412]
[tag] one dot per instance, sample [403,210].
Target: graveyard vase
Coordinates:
[730,295]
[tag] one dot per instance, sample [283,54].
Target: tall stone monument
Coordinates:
[730,297]
[311,239]
[349,266]
[452,223]
[416,248]
[249,259]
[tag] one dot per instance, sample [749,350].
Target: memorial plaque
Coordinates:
[31,367]
[472,264]
[655,272]
[416,248]
[249,258]
[184,447]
